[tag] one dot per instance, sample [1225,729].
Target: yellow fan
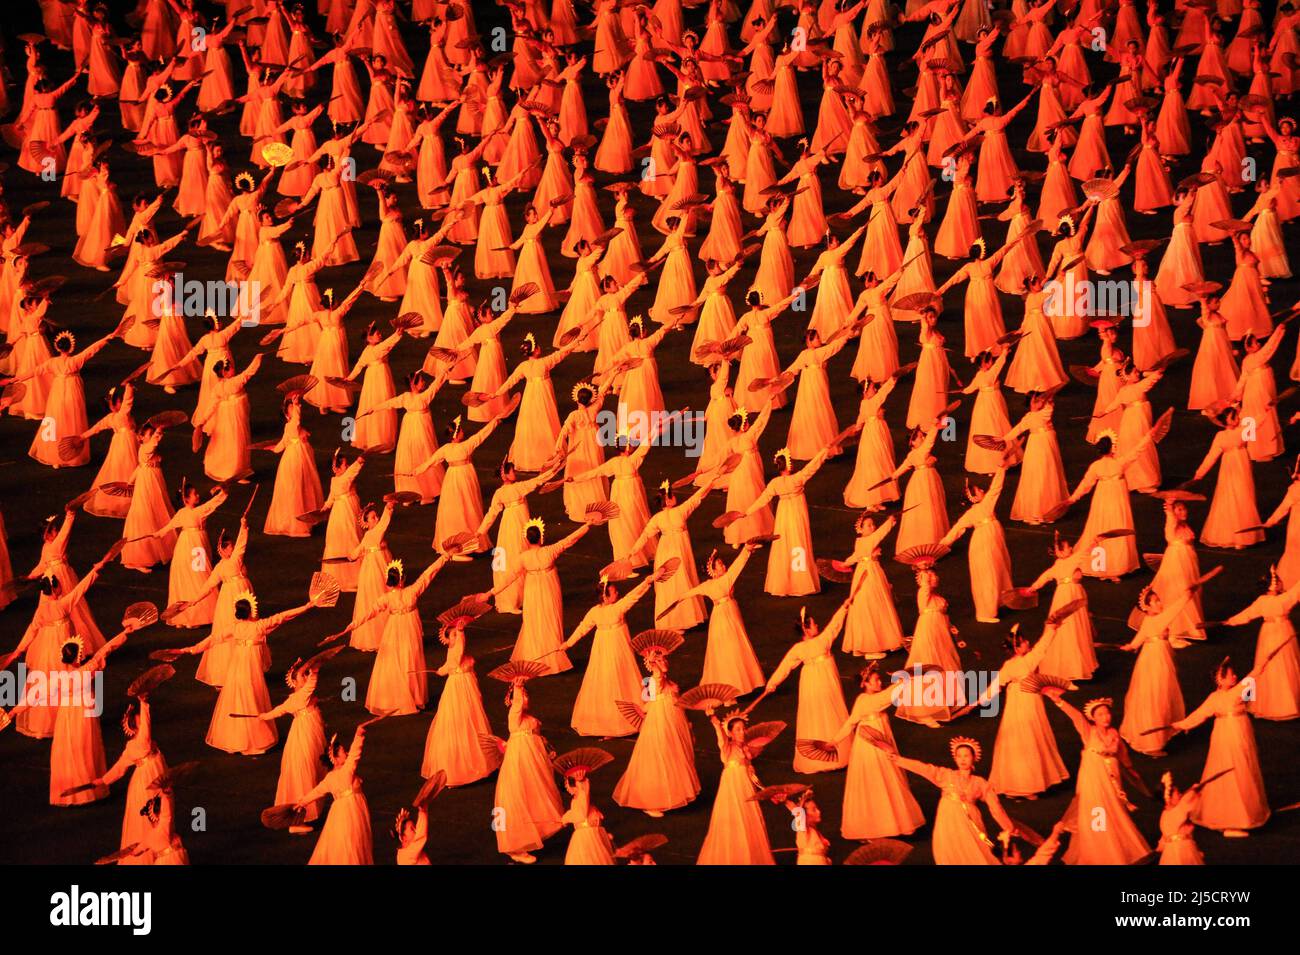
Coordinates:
[277,154]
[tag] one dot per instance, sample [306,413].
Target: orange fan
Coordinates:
[657,641]
[880,852]
[1065,611]
[601,512]
[430,790]
[780,792]
[298,384]
[1037,682]
[518,670]
[150,680]
[817,749]
[726,518]
[708,696]
[71,448]
[631,712]
[916,301]
[168,419]
[142,613]
[923,555]
[401,498]
[834,570]
[465,612]
[618,570]
[585,760]
[1019,598]
[324,589]
[166,781]
[277,154]
[283,816]
[758,736]
[667,569]
[641,845]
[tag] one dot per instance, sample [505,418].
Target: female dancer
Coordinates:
[1277,687]
[527,803]
[737,834]
[398,685]
[453,745]
[123,451]
[1154,700]
[728,655]
[1100,791]
[791,567]
[959,837]
[297,484]
[541,635]
[301,763]
[460,507]
[141,756]
[243,696]
[671,538]
[1232,802]
[590,844]
[821,709]
[1233,516]
[1111,510]
[187,580]
[510,503]
[345,839]
[660,773]
[877,800]
[1026,761]
[990,561]
[611,674]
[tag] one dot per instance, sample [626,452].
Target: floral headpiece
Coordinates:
[1091,706]
[77,640]
[249,596]
[957,742]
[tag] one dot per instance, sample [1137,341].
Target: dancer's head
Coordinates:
[1100,712]
[870,678]
[965,751]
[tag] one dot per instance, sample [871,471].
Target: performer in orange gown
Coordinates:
[1100,786]
[1235,802]
[737,834]
[345,838]
[959,836]
[611,673]
[821,709]
[528,804]
[660,774]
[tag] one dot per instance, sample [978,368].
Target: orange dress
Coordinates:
[300,763]
[527,802]
[660,773]
[297,484]
[877,800]
[611,674]
[821,710]
[737,834]
[454,744]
